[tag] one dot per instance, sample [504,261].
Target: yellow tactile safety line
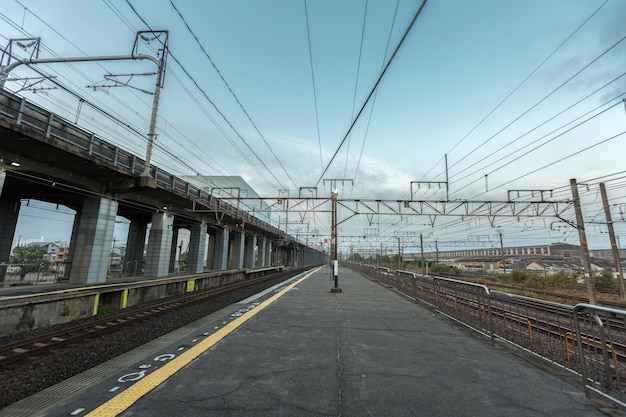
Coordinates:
[140,388]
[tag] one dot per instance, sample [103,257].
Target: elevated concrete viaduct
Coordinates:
[47,158]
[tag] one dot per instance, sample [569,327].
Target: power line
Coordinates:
[528,76]
[317,117]
[508,144]
[540,101]
[393,55]
[232,92]
[184,69]
[504,164]
[369,119]
[356,83]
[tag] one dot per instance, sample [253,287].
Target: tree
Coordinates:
[28,258]
[606,280]
[184,259]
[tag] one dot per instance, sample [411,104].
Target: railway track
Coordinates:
[545,328]
[608,299]
[23,349]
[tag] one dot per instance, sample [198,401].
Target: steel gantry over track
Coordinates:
[302,206]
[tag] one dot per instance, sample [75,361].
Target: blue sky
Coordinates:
[492,84]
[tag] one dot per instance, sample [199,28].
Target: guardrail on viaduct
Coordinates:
[80,141]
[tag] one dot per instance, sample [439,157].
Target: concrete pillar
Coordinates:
[197,248]
[222,240]
[268,252]
[159,245]
[9,212]
[211,249]
[260,260]
[229,257]
[69,255]
[135,246]
[173,251]
[249,261]
[239,241]
[91,249]
[271,253]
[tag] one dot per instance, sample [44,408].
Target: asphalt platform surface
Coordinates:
[306,351]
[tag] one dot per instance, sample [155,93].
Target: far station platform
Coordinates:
[300,350]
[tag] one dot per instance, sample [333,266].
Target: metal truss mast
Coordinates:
[429,208]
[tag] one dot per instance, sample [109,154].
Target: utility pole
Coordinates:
[580,225]
[334,193]
[614,248]
[422,250]
[399,254]
[502,253]
[335,261]
[447,181]
[160,62]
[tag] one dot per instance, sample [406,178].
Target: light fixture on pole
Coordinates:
[335,262]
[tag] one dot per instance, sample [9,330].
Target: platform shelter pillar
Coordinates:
[197,248]
[91,242]
[159,248]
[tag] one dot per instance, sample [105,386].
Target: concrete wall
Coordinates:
[27,315]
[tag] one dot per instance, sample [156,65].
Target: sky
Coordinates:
[509,95]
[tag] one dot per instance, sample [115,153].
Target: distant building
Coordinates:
[543,259]
[233,187]
[553,249]
[52,252]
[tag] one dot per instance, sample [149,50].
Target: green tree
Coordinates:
[606,281]
[563,280]
[28,258]
[184,259]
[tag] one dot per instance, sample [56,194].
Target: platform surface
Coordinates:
[366,351]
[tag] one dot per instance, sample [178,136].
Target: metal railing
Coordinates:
[588,340]
[600,335]
[55,127]
[31,273]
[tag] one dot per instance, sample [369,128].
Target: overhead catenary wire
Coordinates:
[510,143]
[371,93]
[518,86]
[356,84]
[216,108]
[369,119]
[243,109]
[577,73]
[317,116]
[504,164]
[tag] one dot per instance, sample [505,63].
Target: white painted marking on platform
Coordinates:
[275,288]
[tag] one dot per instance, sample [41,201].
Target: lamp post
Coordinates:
[160,62]
[334,264]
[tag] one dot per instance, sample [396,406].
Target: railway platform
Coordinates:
[300,350]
